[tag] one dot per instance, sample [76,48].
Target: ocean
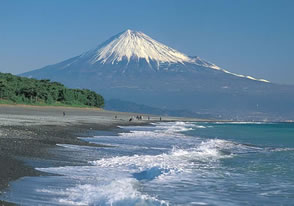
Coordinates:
[170,163]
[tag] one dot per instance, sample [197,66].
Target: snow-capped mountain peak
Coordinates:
[136,45]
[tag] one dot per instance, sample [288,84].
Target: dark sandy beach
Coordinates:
[30,132]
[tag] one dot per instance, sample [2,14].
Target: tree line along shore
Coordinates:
[22,90]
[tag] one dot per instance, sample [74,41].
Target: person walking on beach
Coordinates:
[64,114]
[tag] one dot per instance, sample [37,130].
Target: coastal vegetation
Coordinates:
[22,90]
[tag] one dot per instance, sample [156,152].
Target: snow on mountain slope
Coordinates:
[201,62]
[137,45]
[132,45]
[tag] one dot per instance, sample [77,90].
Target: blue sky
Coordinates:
[252,37]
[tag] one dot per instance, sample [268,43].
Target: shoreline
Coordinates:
[29,132]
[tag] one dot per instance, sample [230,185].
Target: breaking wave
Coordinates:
[146,158]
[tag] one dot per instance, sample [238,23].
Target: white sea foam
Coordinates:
[170,129]
[70,146]
[99,186]
[282,149]
[174,127]
[116,180]
[241,123]
[122,191]
[174,161]
[200,126]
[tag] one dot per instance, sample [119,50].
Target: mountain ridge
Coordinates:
[135,45]
[166,82]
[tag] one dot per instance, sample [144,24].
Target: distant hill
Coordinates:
[24,90]
[132,66]
[126,106]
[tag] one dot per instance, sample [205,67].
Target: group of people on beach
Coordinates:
[138,117]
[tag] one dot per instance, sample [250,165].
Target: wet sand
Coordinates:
[30,131]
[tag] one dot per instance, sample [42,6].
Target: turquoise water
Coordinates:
[173,163]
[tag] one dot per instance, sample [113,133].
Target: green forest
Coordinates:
[22,90]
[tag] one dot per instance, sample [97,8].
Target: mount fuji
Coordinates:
[133,67]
